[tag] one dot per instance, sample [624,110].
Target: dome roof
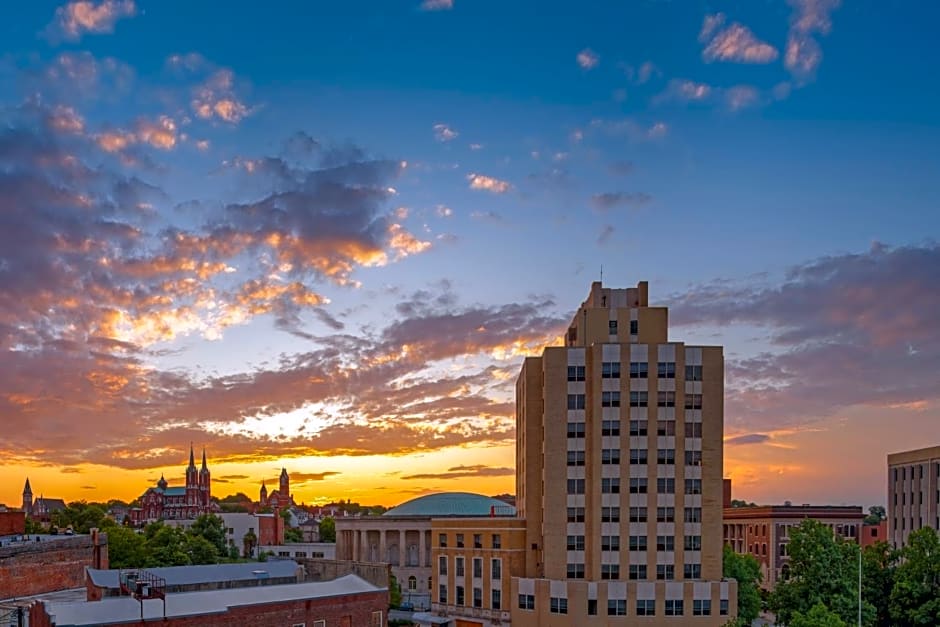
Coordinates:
[452,504]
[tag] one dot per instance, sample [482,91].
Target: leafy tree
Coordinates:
[166,546]
[126,548]
[746,570]
[250,541]
[285,516]
[233,552]
[293,534]
[33,526]
[200,550]
[394,592]
[876,513]
[878,564]
[818,616]
[739,503]
[823,570]
[212,528]
[79,515]
[328,530]
[915,599]
[238,497]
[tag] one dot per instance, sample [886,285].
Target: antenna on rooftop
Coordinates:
[602,274]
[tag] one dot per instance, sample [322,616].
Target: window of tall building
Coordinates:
[496,598]
[575,543]
[459,593]
[496,541]
[592,607]
[575,571]
[692,571]
[576,401]
[665,572]
[575,486]
[723,607]
[610,456]
[693,543]
[612,327]
[674,607]
[638,455]
[442,594]
[616,607]
[666,370]
[639,399]
[666,485]
[665,514]
[666,456]
[575,514]
[693,514]
[575,458]
[638,427]
[693,429]
[478,540]
[575,429]
[701,607]
[665,427]
[610,399]
[639,370]
[637,543]
[666,399]
[576,373]
[665,543]
[693,458]
[693,486]
[610,427]
[693,401]
[558,605]
[610,571]
[526,601]
[458,566]
[693,373]
[637,514]
[608,514]
[634,327]
[610,543]
[638,485]
[496,569]
[610,485]
[610,370]
[478,567]
[637,571]
[442,565]
[646,607]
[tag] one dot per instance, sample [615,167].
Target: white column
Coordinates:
[421,548]
[401,547]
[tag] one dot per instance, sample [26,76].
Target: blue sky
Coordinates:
[355,195]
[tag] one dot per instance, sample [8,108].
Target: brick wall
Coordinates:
[351,610]
[12,523]
[325,570]
[30,568]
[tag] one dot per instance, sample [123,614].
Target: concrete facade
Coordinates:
[764,531]
[913,493]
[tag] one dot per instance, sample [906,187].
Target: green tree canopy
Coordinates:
[212,528]
[328,530]
[126,548]
[878,564]
[745,569]
[876,513]
[823,570]
[818,616]
[915,598]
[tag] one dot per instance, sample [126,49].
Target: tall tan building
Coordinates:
[619,487]
[913,493]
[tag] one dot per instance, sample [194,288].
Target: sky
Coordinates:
[322,236]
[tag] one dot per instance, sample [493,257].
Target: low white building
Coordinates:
[320,550]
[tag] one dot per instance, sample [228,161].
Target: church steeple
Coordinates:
[192,458]
[27,498]
[204,467]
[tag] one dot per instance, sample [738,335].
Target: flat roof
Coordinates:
[207,573]
[821,512]
[920,455]
[125,609]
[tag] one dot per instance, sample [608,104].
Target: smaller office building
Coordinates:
[913,493]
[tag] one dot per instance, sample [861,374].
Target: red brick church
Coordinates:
[163,502]
[280,498]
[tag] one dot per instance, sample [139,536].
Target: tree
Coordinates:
[915,598]
[878,564]
[328,530]
[166,546]
[394,592]
[823,570]
[212,528]
[250,541]
[200,550]
[818,616]
[876,513]
[746,570]
[293,534]
[126,548]
[33,526]
[739,503]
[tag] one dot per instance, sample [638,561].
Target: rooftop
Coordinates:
[184,575]
[821,512]
[126,609]
[452,504]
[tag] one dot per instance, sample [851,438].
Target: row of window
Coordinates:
[636,543]
[612,327]
[638,456]
[919,468]
[638,370]
[496,541]
[638,428]
[637,399]
[496,597]
[496,567]
[637,514]
[637,572]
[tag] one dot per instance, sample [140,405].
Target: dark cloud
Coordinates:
[849,329]
[751,438]
[463,472]
[303,477]
[612,200]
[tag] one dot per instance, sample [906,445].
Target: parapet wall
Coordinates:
[325,570]
[56,563]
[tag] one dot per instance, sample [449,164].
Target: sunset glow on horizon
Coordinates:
[325,237]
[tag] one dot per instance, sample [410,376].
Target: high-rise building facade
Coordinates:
[619,473]
[913,493]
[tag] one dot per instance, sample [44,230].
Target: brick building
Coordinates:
[280,498]
[913,493]
[163,502]
[348,601]
[44,563]
[763,531]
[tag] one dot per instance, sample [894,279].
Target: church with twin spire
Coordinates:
[164,502]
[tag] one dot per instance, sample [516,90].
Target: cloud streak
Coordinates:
[75,19]
[733,43]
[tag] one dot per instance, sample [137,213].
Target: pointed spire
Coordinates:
[27,489]
[192,458]
[204,458]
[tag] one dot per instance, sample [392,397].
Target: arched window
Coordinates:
[412,583]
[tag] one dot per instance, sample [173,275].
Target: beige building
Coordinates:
[618,478]
[913,493]
[764,532]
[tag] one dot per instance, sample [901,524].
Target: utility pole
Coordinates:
[859,583]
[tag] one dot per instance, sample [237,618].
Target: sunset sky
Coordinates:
[323,235]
